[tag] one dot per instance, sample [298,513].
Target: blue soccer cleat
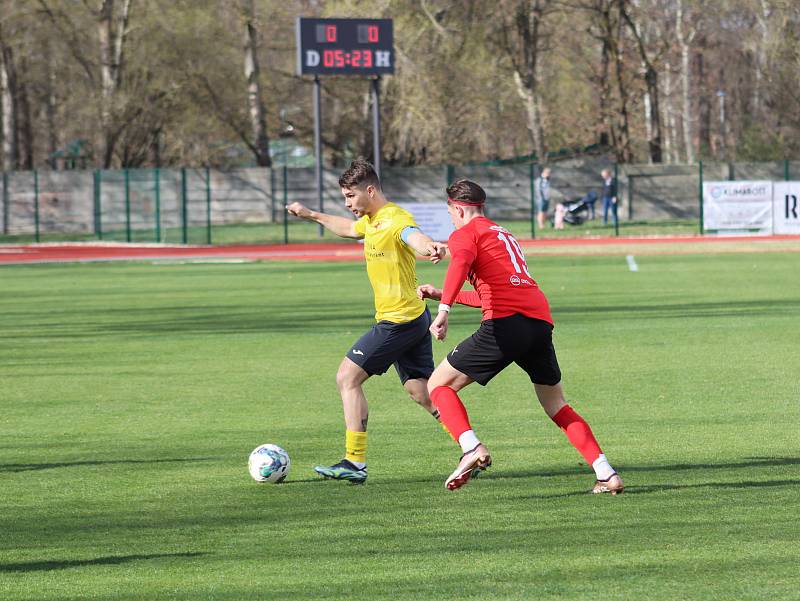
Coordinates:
[344,470]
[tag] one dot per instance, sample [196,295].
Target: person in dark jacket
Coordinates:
[609,195]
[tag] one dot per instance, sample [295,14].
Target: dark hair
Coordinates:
[467,191]
[360,174]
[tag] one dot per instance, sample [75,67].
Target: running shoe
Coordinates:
[613,485]
[472,463]
[344,470]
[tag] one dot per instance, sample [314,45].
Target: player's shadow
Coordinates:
[747,462]
[31,467]
[46,566]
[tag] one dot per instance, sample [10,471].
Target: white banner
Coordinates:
[737,206]
[786,207]
[431,217]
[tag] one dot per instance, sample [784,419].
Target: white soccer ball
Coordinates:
[269,463]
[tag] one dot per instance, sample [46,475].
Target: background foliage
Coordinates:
[473,82]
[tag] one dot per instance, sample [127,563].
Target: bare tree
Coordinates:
[685,38]
[252,72]
[762,18]
[8,86]
[523,38]
[111,35]
[651,81]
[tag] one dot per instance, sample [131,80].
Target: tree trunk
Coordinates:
[521,39]
[254,97]
[604,95]
[8,88]
[761,56]
[533,119]
[684,42]
[112,42]
[669,129]
[24,122]
[652,108]
[623,140]
[104,31]
[704,103]
[51,109]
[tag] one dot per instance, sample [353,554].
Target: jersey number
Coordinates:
[514,253]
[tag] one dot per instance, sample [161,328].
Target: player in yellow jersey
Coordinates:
[401,336]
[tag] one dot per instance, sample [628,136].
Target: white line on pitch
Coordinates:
[632,263]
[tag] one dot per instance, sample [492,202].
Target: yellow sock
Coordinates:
[355,446]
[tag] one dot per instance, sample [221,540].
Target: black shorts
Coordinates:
[526,341]
[407,346]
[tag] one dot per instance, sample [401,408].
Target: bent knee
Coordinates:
[347,377]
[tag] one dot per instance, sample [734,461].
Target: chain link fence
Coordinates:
[209,206]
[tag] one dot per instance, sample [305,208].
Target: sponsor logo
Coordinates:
[515,281]
[791,206]
[357,352]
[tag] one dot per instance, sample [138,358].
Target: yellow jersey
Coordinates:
[391,264]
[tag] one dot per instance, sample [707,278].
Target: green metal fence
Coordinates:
[207,206]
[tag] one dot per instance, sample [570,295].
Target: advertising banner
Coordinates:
[744,206]
[431,217]
[786,207]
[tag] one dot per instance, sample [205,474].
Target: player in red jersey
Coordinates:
[516,327]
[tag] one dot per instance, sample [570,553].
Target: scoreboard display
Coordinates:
[344,46]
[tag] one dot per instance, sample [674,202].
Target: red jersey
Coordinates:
[491,258]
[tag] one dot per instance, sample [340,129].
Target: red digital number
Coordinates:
[327,58]
[330,33]
[367,56]
[355,58]
[372,33]
[338,57]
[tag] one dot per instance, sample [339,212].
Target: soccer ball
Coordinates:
[269,463]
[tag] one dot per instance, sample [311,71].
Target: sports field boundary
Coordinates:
[90,252]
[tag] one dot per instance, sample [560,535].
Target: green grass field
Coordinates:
[132,394]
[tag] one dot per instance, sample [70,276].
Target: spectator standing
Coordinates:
[542,196]
[609,195]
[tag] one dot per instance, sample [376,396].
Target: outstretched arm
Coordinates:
[456,275]
[341,226]
[425,246]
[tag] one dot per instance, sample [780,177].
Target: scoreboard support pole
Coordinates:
[318,146]
[376,123]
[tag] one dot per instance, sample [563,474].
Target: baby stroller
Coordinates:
[576,211]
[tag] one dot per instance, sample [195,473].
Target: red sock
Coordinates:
[452,412]
[578,432]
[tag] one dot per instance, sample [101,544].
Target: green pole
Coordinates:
[36,201]
[700,194]
[5,202]
[616,206]
[208,205]
[127,205]
[98,214]
[786,169]
[631,179]
[450,175]
[285,202]
[272,194]
[184,214]
[157,182]
[532,181]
